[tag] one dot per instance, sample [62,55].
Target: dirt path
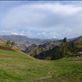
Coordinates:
[41,79]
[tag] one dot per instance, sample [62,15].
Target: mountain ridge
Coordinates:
[20,39]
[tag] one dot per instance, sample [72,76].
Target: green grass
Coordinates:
[16,66]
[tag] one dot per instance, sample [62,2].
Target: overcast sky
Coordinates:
[41,19]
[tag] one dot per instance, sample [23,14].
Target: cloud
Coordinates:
[16,33]
[44,20]
[34,14]
[59,8]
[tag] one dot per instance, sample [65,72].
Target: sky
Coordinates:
[41,19]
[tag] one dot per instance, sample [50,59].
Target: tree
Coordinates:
[10,44]
[65,40]
[64,46]
[71,46]
[56,51]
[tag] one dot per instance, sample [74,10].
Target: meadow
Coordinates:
[16,66]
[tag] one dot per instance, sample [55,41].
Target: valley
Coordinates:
[18,66]
[40,41]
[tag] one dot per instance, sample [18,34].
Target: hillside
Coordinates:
[16,66]
[78,40]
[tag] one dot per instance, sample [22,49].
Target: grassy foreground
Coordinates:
[16,66]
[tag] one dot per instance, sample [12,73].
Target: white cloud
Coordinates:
[44,19]
[16,33]
[33,14]
[59,8]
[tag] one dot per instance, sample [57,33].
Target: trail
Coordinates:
[41,79]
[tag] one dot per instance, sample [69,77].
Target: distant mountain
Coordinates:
[41,48]
[22,42]
[77,40]
[19,39]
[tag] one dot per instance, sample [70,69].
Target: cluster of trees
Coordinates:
[10,44]
[70,48]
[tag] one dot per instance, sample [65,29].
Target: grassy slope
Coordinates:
[16,66]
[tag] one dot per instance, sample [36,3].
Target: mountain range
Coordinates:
[19,39]
[39,48]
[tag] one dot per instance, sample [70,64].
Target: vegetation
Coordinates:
[10,44]
[16,66]
[55,49]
